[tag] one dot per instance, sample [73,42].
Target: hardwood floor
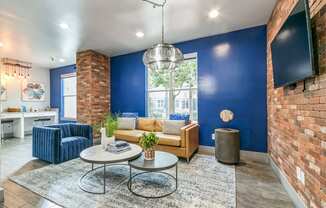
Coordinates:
[256,184]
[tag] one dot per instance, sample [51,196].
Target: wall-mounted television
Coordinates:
[292,49]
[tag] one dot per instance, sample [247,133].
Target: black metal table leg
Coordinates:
[104,176]
[129,184]
[104,166]
[130,175]
[176,176]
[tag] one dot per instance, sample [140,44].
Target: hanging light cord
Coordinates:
[162,6]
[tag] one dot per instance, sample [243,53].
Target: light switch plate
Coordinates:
[213,136]
[300,175]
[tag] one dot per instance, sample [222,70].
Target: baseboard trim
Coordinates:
[256,156]
[294,196]
[206,150]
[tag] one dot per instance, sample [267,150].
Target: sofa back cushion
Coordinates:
[173,126]
[146,124]
[64,129]
[158,125]
[126,123]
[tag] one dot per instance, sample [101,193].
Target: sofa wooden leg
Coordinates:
[196,151]
[188,160]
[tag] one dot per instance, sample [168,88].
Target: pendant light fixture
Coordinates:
[16,68]
[162,56]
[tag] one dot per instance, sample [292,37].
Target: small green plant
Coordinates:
[110,123]
[148,141]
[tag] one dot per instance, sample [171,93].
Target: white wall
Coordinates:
[14,85]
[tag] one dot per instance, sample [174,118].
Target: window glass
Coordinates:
[69,96]
[173,92]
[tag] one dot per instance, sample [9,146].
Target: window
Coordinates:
[69,96]
[174,92]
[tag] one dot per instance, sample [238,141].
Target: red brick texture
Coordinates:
[297,118]
[93,87]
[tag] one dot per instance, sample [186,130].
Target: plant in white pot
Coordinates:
[148,142]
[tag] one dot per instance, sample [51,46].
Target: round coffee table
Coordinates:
[96,155]
[162,161]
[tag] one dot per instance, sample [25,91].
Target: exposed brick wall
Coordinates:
[93,86]
[297,119]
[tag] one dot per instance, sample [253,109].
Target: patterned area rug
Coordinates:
[202,183]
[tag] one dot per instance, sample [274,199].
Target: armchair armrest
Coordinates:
[46,143]
[192,139]
[83,130]
[183,134]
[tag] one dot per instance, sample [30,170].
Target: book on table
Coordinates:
[118,147]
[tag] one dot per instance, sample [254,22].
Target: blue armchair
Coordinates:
[61,142]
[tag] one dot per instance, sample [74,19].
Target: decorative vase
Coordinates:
[106,140]
[149,154]
[110,140]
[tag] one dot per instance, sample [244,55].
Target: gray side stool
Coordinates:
[227,145]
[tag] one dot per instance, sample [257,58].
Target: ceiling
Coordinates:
[30,31]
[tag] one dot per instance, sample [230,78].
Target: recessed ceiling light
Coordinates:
[62,60]
[213,14]
[1,44]
[64,26]
[140,34]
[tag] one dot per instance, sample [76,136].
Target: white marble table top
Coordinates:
[96,154]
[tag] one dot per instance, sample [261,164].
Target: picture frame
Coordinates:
[33,91]
[3,91]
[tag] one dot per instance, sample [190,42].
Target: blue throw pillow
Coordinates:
[129,115]
[178,116]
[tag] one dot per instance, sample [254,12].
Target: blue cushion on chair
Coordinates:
[72,146]
[65,130]
[72,139]
[130,115]
[178,116]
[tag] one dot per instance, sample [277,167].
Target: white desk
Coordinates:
[19,119]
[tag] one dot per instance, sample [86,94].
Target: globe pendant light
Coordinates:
[162,56]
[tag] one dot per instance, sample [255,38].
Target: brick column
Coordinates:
[93,87]
[297,118]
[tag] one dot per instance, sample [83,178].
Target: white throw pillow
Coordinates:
[173,126]
[126,123]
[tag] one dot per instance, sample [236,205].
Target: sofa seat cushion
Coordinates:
[168,139]
[128,135]
[73,139]
[72,146]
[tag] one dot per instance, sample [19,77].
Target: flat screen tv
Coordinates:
[292,49]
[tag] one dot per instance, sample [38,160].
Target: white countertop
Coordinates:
[27,114]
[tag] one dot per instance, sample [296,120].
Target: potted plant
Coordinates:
[107,129]
[148,142]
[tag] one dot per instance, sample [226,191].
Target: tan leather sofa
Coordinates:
[183,145]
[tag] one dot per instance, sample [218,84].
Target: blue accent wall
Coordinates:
[231,75]
[128,80]
[56,100]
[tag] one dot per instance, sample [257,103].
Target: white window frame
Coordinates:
[64,76]
[171,109]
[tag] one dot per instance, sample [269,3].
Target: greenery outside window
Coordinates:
[175,91]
